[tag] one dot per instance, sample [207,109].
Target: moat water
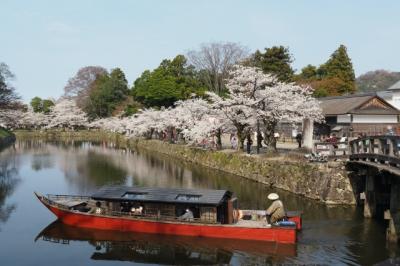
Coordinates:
[29,234]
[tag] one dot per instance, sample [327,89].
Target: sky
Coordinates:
[45,42]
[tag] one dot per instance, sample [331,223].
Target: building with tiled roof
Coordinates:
[359,114]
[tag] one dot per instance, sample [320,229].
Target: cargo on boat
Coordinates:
[185,212]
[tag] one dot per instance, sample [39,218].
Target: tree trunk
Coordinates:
[171,134]
[218,134]
[240,137]
[150,134]
[249,142]
[259,137]
[269,130]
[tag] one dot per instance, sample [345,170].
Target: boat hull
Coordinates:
[275,234]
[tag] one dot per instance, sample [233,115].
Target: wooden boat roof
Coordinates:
[167,195]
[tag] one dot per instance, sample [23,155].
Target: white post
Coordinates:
[308,128]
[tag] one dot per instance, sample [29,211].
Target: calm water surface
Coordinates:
[29,234]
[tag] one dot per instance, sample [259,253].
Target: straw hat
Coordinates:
[273,196]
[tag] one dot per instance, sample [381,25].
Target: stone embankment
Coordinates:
[326,182]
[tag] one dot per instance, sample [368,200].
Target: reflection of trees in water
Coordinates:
[42,161]
[87,170]
[8,181]
[160,253]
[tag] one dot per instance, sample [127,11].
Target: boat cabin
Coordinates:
[201,205]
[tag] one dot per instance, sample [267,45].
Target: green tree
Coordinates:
[106,93]
[36,104]
[308,72]
[275,60]
[335,77]
[173,80]
[46,106]
[339,66]
[41,106]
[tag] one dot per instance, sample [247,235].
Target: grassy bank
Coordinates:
[328,183]
[6,137]
[80,135]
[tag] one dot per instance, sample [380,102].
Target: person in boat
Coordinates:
[187,216]
[137,211]
[276,211]
[98,209]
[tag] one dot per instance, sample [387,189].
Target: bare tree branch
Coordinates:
[214,61]
[78,87]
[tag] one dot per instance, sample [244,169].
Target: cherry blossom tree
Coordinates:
[10,118]
[111,124]
[255,96]
[145,123]
[32,119]
[189,114]
[255,102]
[19,118]
[65,113]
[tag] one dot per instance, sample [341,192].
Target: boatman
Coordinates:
[276,211]
[187,216]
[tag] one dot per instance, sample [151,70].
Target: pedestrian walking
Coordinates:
[299,139]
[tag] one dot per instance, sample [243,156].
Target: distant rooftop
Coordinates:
[351,104]
[395,86]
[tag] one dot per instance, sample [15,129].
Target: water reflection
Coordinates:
[170,250]
[8,182]
[42,161]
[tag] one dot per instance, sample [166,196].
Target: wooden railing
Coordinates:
[377,149]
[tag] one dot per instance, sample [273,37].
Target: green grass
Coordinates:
[4,133]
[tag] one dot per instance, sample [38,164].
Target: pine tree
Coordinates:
[339,66]
[275,60]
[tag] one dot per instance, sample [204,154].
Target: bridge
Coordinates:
[374,165]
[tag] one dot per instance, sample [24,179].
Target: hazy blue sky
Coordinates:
[46,42]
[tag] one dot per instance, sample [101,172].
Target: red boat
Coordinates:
[186,212]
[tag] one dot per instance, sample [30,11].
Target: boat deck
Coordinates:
[69,202]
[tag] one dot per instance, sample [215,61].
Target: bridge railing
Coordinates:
[377,149]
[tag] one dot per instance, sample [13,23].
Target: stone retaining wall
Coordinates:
[326,182]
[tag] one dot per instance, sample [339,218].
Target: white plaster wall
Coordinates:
[375,119]
[344,119]
[392,97]
[395,101]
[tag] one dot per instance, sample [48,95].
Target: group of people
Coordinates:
[135,209]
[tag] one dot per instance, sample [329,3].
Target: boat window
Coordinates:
[187,197]
[135,195]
